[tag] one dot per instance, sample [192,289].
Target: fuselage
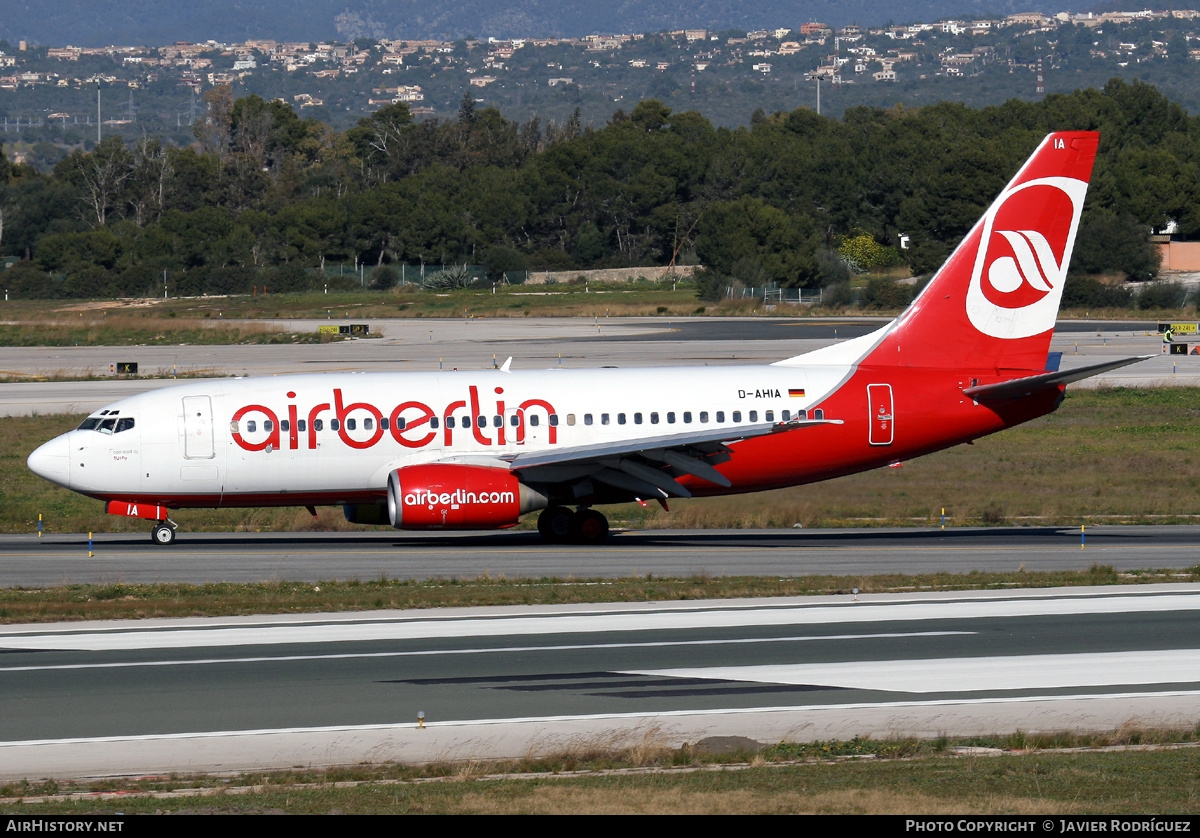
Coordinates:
[333,439]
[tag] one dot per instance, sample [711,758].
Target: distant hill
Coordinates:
[155,22]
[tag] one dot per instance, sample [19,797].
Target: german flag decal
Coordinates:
[795,392]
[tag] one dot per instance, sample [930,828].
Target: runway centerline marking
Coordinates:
[478,651]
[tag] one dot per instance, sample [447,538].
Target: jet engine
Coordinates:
[458,497]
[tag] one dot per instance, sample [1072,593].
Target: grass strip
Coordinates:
[222,599]
[1131,771]
[575,299]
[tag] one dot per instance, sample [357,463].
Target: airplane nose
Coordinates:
[52,461]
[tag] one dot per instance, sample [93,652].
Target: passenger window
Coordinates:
[433,422]
[369,424]
[786,415]
[637,418]
[251,426]
[497,421]
[351,424]
[671,417]
[554,420]
[570,418]
[301,426]
[268,425]
[233,427]
[334,424]
[587,418]
[720,416]
[318,424]
[449,421]
[620,418]
[802,415]
[653,418]
[285,425]
[687,417]
[819,414]
[481,421]
[770,417]
[754,416]
[737,416]
[514,420]
[704,416]
[534,420]
[383,423]
[603,418]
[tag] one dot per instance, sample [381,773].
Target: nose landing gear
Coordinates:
[163,532]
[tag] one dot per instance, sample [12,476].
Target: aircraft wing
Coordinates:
[1019,387]
[647,467]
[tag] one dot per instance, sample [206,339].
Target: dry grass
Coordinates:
[140,601]
[149,328]
[940,782]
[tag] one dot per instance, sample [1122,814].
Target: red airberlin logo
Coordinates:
[411,424]
[1028,237]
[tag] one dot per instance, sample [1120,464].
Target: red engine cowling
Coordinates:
[457,497]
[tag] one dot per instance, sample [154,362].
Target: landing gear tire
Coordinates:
[554,524]
[588,527]
[162,534]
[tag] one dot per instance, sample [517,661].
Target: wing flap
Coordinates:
[647,467]
[713,440]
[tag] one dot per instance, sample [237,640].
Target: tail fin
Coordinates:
[994,303]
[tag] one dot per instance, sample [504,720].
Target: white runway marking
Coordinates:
[490,650]
[1015,672]
[366,628]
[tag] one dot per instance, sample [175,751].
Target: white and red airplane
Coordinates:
[477,450]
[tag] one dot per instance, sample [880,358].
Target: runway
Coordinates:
[262,692]
[26,560]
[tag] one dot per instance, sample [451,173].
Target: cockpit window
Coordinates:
[109,424]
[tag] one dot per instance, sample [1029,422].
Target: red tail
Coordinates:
[994,302]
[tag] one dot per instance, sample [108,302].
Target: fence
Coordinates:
[774,294]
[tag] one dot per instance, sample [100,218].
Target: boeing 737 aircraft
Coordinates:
[477,450]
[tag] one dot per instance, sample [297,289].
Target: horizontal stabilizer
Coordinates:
[1019,387]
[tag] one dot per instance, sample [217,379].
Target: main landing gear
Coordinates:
[559,525]
[163,532]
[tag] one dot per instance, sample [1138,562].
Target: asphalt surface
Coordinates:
[192,695]
[27,560]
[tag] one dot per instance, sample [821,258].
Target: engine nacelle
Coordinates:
[457,497]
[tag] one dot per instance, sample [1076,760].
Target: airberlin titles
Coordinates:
[413,424]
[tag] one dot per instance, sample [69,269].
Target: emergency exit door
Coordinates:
[882,420]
